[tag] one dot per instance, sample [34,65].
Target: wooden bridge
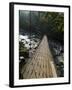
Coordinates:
[41,65]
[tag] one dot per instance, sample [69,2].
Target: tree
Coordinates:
[40,23]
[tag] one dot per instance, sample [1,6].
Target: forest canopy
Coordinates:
[40,23]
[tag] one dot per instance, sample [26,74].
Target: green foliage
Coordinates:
[23,50]
[39,23]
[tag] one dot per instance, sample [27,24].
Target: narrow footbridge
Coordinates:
[41,65]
